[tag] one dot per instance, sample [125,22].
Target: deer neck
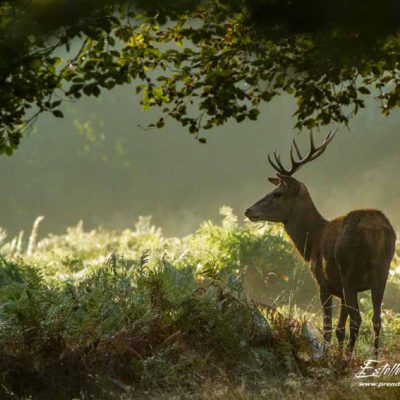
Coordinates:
[305,227]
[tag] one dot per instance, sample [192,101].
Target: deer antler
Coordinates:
[297,164]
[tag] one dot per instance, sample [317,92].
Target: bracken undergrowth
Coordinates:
[227,312]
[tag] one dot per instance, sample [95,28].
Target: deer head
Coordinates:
[290,196]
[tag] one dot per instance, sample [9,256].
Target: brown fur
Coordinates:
[347,255]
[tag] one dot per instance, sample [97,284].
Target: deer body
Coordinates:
[363,239]
[347,255]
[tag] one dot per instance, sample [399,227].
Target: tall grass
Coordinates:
[92,314]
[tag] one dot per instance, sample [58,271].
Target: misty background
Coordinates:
[98,165]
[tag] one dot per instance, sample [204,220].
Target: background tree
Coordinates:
[202,62]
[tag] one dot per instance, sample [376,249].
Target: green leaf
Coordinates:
[253,114]
[9,150]
[58,114]
[364,90]
[36,64]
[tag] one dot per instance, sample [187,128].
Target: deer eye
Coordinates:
[277,195]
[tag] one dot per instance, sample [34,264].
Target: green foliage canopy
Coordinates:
[202,62]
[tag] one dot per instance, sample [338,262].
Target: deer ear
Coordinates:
[275,181]
[292,183]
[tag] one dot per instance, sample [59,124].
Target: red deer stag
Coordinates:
[347,255]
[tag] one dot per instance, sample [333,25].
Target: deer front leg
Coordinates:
[340,327]
[326,301]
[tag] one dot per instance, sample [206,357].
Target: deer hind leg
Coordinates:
[326,301]
[377,296]
[341,325]
[350,299]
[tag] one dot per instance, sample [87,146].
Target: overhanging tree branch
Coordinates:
[202,62]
